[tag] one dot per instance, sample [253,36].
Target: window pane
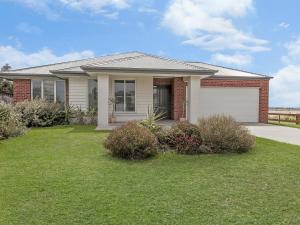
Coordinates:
[130,95]
[49,90]
[93,104]
[36,89]
[119,95]
[60,91]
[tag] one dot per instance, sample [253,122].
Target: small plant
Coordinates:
[79,116]
[223,134]
[153,116]
[92,116]
[69,114]
[186,138]
[112,102]
[132,141]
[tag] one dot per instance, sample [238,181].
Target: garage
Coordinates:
[240,103]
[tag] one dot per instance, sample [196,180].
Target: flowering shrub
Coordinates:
[223,134]
[185,138]
[40,113]
[132,141]
[10,123]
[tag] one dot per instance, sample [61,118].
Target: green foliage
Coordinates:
[186,138]
[10,123]
[6,87]
[153,116]
[132,141]
[223,134]
[91,115]
[81,117]
[40,113]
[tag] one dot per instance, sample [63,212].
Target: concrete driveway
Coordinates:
[276,133]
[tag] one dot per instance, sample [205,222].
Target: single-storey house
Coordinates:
[135,81]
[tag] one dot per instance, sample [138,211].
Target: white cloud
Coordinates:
[50,8]
[148,10]
[236,59]
[94,6]
[293,56]
[209,24]
[27,28]
[284,87]
[284,25]
[18,59]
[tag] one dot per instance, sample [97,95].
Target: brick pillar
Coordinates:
[264,101]
[21,90]
[179,97]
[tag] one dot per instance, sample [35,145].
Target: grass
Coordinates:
[63,175]
[285,124]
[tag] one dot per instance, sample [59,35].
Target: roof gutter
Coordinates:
[239,77]
[11,76]
[148,70]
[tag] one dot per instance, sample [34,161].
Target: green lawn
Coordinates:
[63,175]
[285,124]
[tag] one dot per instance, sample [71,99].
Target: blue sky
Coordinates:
[261,36]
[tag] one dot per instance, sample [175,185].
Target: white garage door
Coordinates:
[240,103]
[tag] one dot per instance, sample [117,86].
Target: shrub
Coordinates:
[10,123]
[132,141]
[39,113]
[186,138]
[223,134]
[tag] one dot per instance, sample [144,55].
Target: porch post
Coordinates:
[193,99]
[103,95]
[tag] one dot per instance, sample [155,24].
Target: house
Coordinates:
[137,80]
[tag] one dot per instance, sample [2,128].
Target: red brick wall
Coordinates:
[263,85]
[22,90]
[179,96]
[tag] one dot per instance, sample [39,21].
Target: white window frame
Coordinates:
[114,95]
[42,89]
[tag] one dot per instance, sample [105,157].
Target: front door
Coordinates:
[162,100]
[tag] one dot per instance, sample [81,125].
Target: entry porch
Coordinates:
[126,98]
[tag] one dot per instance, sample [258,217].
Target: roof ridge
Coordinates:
[78,60]
[230,68]
[116,60]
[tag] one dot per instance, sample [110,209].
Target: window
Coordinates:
[93,103]
[53,91]
[60,91]
[125,95]
[36,89]
[48,87]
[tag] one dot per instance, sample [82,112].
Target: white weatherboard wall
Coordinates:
[78,92]
[143,97]
[240,103]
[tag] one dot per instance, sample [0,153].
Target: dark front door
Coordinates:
[162,100]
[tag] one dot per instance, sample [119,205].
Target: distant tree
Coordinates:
[6,86]
[5,68]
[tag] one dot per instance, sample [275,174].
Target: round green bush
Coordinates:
[186,138]
[223,134]
[132,141]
